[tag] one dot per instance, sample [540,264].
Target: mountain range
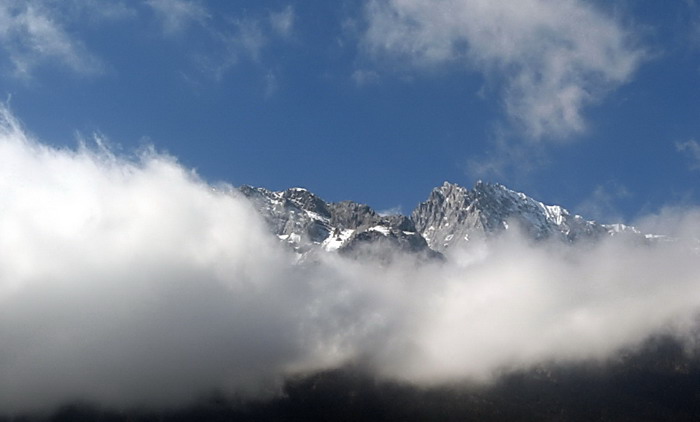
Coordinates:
[451,216]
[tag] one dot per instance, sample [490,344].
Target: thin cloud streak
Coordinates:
[31,36]
[178,15]
[283,21]
[691,149]
[246,38]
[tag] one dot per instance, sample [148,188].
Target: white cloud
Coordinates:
[391,211]
[93,11]
[80,304]
[242,39]
[551,58]
[177,15]
[271,84]
[135,283]
[507,160]
[32,35]
[282,21]
[247,38]
[680,223]
[602,204]
[364,77]
[691,149]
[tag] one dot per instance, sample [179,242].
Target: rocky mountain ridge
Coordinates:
[452,215]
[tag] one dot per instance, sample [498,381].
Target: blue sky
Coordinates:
[589,104]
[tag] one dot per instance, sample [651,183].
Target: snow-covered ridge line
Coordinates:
[451,215]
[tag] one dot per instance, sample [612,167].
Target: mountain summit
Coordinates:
[452,215]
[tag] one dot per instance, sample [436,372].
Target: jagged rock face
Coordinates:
[452,215]
[448,213]
[352,215]
[306,200]
[382,246]
[287,218]
[307,223]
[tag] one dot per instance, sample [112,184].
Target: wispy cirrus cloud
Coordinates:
[550,59]
[32,35]
[95,11]
[41,33]
[690,148]
[177,15]
[364,77]
[603,203]
[247,38]
[236,35]
[282,21]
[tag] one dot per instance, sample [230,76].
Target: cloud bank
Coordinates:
[550,58]
[132,282]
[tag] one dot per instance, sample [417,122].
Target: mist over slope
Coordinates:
[132,282]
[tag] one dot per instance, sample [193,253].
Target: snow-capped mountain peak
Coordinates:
[308,223]
[451,215]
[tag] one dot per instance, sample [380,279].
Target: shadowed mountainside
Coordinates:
[659,382]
